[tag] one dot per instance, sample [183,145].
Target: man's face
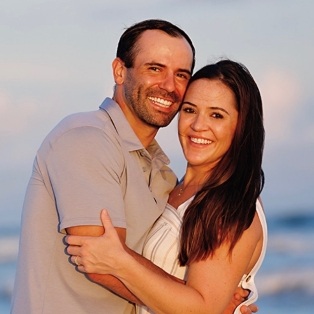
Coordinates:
[154,87]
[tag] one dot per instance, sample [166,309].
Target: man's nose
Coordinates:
[168,82]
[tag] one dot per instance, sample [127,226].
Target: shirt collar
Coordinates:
[127,134]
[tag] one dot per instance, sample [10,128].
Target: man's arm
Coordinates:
[115,285]
[107,281]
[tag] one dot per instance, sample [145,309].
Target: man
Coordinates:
[103,159]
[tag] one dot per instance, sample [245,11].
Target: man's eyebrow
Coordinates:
[155,64]
[164,66]
[186,71]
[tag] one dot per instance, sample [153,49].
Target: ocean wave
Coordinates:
[293,220]
[268,284]
[6,290]
[288,280]
[291,242]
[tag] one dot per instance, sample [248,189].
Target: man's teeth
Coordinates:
[161,102]
[200,140]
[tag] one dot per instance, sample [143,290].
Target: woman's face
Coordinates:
[207,122]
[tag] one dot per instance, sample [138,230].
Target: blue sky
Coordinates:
[55,59]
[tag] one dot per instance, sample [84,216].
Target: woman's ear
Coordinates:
[118,70]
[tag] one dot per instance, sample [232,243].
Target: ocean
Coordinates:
[285,281]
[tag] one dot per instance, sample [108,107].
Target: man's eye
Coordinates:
[155,69]
[183,76]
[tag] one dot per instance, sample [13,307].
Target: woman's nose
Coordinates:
[200,123]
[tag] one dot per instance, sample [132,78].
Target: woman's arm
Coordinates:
[210,286]
[110,282]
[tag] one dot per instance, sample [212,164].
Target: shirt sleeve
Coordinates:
[85,166]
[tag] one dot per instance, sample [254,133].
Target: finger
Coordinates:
[73,240]
[73,250]
[244,293]
[241,297]
[238,297]
[253,308]
[248,309]
[106,221]
[75,259]
[81,269]
[244,309]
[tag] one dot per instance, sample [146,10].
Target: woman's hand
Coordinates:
[99,255]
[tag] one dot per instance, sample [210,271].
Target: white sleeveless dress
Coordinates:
[162,248]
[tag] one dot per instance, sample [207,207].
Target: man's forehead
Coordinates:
[155,46]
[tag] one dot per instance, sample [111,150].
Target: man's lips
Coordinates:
[161,101]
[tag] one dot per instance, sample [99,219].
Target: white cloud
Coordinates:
[55,60]
[16,116]
[281,94]
[29,71]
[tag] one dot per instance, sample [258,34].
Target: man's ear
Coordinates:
[118,70]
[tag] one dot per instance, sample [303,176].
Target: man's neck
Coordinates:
[145,132]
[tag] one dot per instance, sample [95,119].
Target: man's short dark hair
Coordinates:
[126,50]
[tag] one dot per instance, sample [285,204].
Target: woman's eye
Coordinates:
[217,115]
[188,110]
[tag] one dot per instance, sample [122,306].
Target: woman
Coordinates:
[216,205]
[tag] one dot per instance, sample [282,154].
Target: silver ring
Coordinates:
[75,260]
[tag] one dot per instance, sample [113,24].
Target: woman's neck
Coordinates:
[190,184]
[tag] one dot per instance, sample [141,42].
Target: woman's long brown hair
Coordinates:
[225,206]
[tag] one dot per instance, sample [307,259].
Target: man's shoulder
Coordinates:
[81,127]
[97,118]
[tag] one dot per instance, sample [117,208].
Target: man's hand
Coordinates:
[239,296]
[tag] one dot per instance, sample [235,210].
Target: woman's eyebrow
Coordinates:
[188,103]
[212,108]
[219,108]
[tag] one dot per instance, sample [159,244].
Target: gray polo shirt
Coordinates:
[88,162]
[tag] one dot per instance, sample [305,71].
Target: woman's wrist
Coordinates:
[122,262]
